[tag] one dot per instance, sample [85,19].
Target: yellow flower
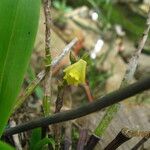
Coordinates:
[75,73]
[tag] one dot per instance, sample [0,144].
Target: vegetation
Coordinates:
[90,74]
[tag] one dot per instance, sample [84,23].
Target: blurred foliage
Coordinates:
[75,137]
[97,77]
[111,13]
[4,146]
[61,6]
[132,23]
[42,144]
[37,143]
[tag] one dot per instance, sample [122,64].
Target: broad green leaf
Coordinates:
[18,27]
[4,146]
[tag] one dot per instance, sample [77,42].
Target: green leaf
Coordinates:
[4,146]
[35,137]
[36,143]
[18,27]
[43,142]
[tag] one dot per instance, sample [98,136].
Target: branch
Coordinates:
[133,62]
[109,99]
[66,50]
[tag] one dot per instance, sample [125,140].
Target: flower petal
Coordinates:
[75,73]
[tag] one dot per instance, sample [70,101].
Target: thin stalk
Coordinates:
[48,70]
[48,76]
[58,106]
[68,125]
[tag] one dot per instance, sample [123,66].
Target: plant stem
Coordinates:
[58,106]
[48,76]
[105,101]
